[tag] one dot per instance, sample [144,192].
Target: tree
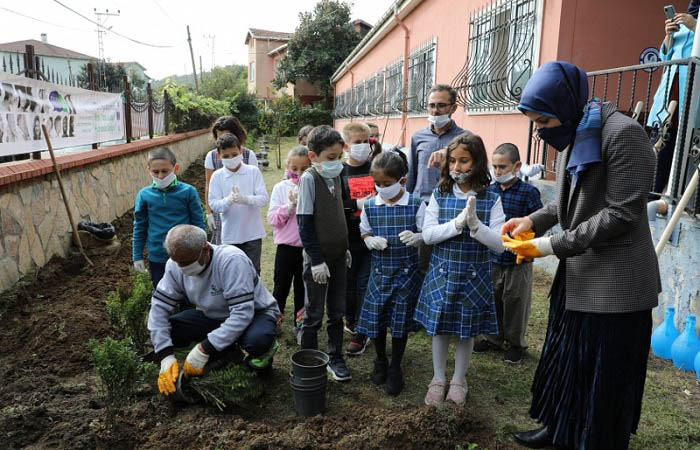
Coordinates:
[321,42]
[225,82]
[111,81]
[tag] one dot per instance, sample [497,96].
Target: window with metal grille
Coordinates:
[370,92]
[394,87]
[378,108]
[360,104]
[500,56]
[421,68]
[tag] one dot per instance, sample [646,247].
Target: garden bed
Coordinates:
[49,392]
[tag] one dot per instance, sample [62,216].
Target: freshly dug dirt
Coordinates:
[49,394]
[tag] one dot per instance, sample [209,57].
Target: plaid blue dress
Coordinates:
[395,279]
[457,294]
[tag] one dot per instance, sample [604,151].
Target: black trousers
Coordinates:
[289,266]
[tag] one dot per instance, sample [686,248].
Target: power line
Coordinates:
[114,32]
[44,21]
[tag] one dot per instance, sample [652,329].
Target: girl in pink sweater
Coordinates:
[282,218]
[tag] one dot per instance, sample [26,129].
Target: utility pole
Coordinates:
[101,20]
[201,74]
[212,37]
[194,68]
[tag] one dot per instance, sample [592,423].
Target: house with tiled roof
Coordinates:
[265,50]
[57,63]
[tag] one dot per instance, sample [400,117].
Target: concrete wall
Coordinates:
[679,264]
[101,186]
[589,33]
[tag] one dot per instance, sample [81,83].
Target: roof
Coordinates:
[277,50]
[42,49]
[132,63]
[257,33]
[361,22]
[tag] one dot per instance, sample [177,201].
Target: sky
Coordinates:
[219,24]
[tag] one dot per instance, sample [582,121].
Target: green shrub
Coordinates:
[235,385]
[120,371]
[284,116]
[128,307]
[190,111]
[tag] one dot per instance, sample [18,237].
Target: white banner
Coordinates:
[73,116]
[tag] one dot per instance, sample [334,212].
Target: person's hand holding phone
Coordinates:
[671,26]
[684,19]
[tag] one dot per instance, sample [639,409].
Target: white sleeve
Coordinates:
[433,232]
[491,236]
[209,160]
[365,227]
[278,197]
[252,159]
[259,197]
[218,201]
[420,216]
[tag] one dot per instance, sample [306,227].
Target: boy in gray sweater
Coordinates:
[324,236]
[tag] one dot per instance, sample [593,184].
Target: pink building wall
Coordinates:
[592,34]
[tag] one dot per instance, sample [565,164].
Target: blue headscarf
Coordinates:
[560,90]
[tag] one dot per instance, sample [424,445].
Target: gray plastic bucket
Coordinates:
[308,380]
[309,363]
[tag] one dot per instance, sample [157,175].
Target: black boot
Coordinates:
[538,438]
[394,381]
[379,373]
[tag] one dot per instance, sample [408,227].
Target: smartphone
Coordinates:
[670,12]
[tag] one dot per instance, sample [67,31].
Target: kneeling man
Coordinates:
[233,306]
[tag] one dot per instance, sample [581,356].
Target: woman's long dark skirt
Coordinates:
[589,383]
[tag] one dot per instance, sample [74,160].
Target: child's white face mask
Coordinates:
[389,192]
[232,163]
[360,152]
[164,182]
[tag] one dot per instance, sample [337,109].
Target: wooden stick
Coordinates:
[677,213]
[76,236]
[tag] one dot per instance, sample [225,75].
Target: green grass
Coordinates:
[499,394]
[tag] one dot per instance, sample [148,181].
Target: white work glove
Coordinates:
[168,375]
[237,197]
[468,217]
[361,203]
[320,273]
[292,201]
[195,362]
[140,266]
[409,238]
[375,242]
[348,258]
[211,224]
[531,170]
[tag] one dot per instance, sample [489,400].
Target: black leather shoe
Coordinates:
[538,438]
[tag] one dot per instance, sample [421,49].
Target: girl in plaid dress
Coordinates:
[463,222]
[390,225]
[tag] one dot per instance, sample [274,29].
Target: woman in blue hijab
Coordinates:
[587,391]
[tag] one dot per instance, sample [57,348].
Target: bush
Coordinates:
[247,108]
[232,386]
[190,111]
[120,371]
[128,307]
[285,116]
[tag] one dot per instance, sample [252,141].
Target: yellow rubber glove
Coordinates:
[168,375]
[195,362]
[522,246]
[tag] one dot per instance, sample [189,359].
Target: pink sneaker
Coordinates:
[436,393]
[457,393]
